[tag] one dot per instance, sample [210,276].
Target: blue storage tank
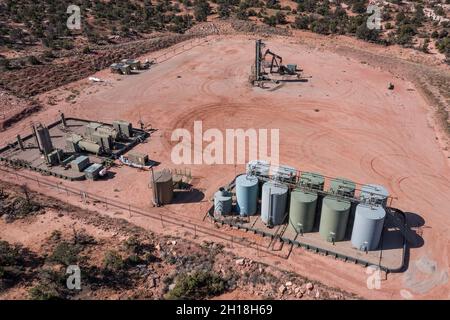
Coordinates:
[273,203]
[368,227]
[246,194]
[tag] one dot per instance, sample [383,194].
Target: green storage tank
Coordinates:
[312,180]
[334,218]
[302,210]
[343,187]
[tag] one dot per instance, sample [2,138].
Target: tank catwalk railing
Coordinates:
[302,184]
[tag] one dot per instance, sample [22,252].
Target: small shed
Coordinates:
[138,158]
[93,171]
[80,163]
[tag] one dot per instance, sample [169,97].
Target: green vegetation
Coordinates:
[14,260]
[65,253]
[44,20]
[51,286]
[113,261]
[198,285]
[201,10]
[17,207]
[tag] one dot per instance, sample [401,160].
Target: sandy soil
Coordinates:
[343,122]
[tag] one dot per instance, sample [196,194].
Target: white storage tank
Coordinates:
[273,203]
[367,227]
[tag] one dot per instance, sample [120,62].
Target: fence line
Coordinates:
[173,49]
[168,219]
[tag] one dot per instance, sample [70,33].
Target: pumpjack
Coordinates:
[274,66]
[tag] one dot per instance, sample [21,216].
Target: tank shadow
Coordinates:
[393,237]
[187,196]
[109,175]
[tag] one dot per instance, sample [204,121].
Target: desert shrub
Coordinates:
[359,6]
[198,285]
[48,55]
[33,60]
[270,20]
[201,10]
[67,44]
[320,26]
[5,64]
[87,50]
[367,34]
[133,245]
[280,17]
[251,13]
[11,261]
[307,6]
[56,235]
[113,261]
[19,208]
[44,291]
[83,239]
[224,10]
[65,253]
[241,14]
[51,285]
[301,22]
[405,34]
[273,4]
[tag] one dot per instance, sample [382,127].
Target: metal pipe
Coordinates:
[155,192]
[63,120]
[20,142]
[35,137]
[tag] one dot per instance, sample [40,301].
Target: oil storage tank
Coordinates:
[334,218]
[222,202]
[273,203]
[302,210]
[246,194]
[88,146]
[312,180]
[343,187]
[162,187]
[374,194]
[367,227]
[44,139]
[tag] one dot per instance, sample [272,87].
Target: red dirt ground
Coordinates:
[361,131]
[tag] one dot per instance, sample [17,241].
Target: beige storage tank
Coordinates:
[162,187]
